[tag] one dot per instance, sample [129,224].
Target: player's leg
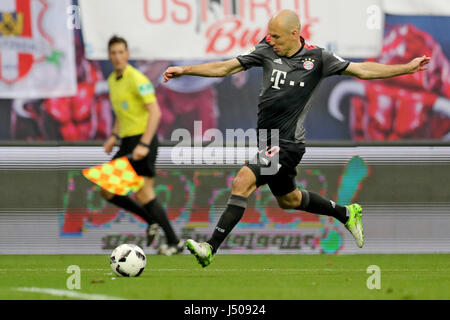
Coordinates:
[312,202]
[242,187]
[129,204]
[285,190]
[146,196]
[127,146]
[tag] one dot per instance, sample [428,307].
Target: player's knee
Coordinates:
[238,187]
[286,204]
[145,195]
[283,204]
[291,202]
[242,186]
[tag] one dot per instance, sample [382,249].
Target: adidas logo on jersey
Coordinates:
[278,61]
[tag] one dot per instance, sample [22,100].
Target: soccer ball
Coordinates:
[128,260]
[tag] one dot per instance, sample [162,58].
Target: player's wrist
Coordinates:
[141,143]
[406,68]
[115,135]
[185,70]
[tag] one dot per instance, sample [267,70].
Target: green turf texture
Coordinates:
[235,277]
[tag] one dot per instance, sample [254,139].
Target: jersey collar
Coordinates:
[123,74]
[302,41]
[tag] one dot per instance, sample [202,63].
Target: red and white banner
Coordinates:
[203,29]
[36,49]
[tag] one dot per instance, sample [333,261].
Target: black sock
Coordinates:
[158,213]
[129,204]
[315,203]
[230,217]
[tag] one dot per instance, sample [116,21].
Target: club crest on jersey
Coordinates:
[308,63]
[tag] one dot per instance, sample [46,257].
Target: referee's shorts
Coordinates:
[146,166]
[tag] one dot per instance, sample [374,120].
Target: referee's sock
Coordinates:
[157,212]
[230,217]
[129,204]
[315,203]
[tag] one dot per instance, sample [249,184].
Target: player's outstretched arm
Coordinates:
[373,70]
[210,69]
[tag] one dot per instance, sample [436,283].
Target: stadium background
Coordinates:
[390,154]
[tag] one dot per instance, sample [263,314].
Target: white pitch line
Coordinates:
[304,270]
[51,269]
[149,269]
[67,293]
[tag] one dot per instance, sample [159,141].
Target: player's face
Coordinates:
[279,40]
[118,54]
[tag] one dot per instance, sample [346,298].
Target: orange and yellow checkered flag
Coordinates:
[117,176]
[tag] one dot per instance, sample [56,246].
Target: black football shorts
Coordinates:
[145,167]
[281,181]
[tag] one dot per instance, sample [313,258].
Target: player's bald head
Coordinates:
[287,20]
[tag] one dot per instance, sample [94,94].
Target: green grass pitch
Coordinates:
[230,277]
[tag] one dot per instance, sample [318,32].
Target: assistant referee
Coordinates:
[137,117]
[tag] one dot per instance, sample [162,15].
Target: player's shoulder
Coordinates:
[141,82]
[311,48]
[137,75]
[315,49]
[111,77]
[260,46]
[316,52]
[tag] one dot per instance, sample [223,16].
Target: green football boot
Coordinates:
[354,224]
[202,251]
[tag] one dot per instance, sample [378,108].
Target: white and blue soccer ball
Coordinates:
[128,260]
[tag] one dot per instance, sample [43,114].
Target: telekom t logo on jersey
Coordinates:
[279,77]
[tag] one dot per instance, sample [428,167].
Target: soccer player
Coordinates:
[292,71]
[137,117]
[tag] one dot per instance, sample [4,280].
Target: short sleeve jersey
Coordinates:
[129,95]
[289,85]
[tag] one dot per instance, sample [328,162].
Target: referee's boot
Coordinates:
[354,224]
[170,250]
[202,251]
[152,234]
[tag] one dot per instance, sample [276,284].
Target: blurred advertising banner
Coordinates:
[37,56]
[417,7]
[60,211]
[203,29]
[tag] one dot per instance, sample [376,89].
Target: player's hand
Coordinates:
[172,72]
[140,152]
[109,144]
[419,64]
